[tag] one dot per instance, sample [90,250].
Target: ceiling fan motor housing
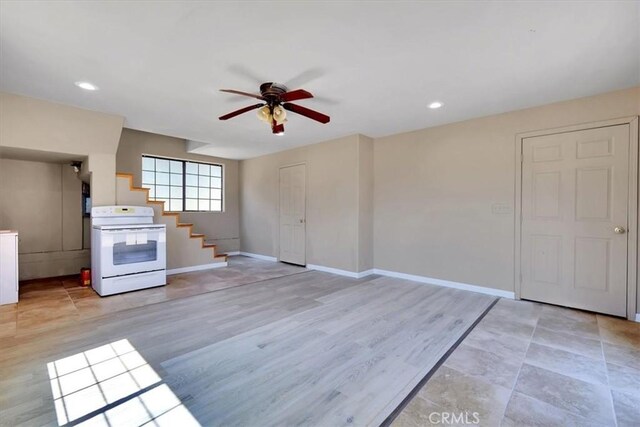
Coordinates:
[272,92]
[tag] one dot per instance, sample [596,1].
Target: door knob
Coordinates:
[619,230]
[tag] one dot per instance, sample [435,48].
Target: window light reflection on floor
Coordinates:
[92,381]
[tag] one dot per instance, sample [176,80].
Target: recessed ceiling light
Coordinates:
[86,86]
[435,104]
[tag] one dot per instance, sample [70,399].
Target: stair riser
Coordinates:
[184,248]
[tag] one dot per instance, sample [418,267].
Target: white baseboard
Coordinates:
[258,256]
[339,272]
[365,273]
[447,283]
[196,268]
[235,253]
[638,317]
[420,279]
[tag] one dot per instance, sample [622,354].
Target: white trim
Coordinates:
[234,253]
[638,317]
[420,279]
[258,256]
[632,222]
[447,283]
[353,274]
[196,268]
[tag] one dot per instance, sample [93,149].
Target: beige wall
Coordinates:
[34,124]
[434,190]
[334,222]
[43,201]
[365,203]
[222,229]
[332,203]
[259,200]
[419,202]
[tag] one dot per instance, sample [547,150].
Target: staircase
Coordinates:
[186,250]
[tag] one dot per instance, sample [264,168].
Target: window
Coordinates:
[183,185]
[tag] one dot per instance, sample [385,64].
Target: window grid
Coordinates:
[183,185]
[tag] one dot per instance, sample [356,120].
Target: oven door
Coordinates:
[129,251]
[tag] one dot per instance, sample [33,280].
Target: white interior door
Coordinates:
[575,195]
[293,214]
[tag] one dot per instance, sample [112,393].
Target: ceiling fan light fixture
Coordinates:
[279,114]
[264,114]
[276,98]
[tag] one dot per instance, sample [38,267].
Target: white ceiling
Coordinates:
[374,66]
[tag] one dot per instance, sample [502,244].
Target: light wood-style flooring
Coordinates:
[308,348]
[50,303]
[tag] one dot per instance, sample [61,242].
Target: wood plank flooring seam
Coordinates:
[389,420]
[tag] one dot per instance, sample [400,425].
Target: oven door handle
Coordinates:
[128,277]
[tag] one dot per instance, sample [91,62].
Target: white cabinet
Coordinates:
[8,267]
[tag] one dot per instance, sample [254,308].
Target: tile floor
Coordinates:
[50,303]
[529,364]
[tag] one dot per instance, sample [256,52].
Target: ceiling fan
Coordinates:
[276,99]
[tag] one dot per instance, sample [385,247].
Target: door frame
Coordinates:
[632,210]
[306,185]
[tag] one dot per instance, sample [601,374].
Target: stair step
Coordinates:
[176,215]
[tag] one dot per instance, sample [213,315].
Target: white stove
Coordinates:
[128,251]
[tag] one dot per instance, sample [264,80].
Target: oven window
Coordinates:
[131,254]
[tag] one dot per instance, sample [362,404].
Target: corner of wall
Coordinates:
[45,126]
[365,203]
[102,168]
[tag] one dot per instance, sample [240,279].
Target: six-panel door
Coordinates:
[575,189]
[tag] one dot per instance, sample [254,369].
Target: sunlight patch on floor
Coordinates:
[115,386]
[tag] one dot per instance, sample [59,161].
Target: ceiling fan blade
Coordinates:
[303,111]
[237,92]
[240,111]
[305,77]
[295,95]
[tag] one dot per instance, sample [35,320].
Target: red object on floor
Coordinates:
[85,276]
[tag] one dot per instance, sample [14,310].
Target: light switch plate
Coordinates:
[501,209]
